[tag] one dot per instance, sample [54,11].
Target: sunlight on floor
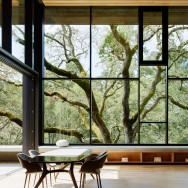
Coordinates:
[114,176]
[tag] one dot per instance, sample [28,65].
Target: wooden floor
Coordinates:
[116,176]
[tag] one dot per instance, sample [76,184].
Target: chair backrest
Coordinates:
[33,153]
[101,159]
[24,161]
[93,156]
[103,153]
[94,163]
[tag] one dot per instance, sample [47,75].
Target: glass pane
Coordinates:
[18,30]
[66,111]
[108,124]
[10,106]
[113,30]
[152,133]
[152,94]
[152,36]
[67,43]
[0,23]
[178,51]
[177,111]
[0,36]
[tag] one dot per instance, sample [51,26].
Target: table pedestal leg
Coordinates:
[44,173]
[71,172]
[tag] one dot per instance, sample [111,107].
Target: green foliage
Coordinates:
[67,105]
[158,112]
[112,54]
[178,120]
[62,114]
[178,52]
[10,101]
[153,133]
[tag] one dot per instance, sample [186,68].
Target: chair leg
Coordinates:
[25,180]
[55,176]
[29,180]
[50,179]
[98,185]
[100,180]
[81,180]
[46,181]
[84,178]
[35,179]
[92,176]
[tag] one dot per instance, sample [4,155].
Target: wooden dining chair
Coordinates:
[30,168]
[93,165]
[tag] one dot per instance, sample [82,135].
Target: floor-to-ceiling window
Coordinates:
[178,76]
[152,75]
[11,83]
[95,91]
[18,30]
[11,91]
[66,76]
[0,23]
[114,74]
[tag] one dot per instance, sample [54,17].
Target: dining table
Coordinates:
[62,155]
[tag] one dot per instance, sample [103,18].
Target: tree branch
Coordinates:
[78,65]
[68,36]
[152,106]
[106,95]
[155,32]
[177,58]
[59,71]
[95,129]
[11,117]
[69,132]
[54,39]
[173,101]
[152,90]
[118,134]
[12,83]
[74,103]
[119,38]
[177,29]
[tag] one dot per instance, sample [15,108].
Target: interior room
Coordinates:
[94,93]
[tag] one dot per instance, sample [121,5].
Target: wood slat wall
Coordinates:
[115,2]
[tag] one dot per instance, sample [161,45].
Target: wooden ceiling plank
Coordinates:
[115,2]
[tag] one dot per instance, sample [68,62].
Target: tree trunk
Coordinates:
[96,117]
[129,132]
[99,122]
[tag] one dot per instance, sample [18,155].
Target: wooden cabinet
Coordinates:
[124,157]
[148,157]
[180,157]
[158,157]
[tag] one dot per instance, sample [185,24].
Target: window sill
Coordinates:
[124,148]
[11,148]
